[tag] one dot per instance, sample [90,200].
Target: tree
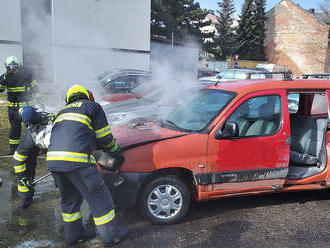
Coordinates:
[251,30]
[325,11]
[225,41]
[181,18]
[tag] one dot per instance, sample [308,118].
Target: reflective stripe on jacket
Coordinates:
[21,89]
[79,128]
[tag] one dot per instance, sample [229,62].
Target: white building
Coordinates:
[75,40]
[210,28]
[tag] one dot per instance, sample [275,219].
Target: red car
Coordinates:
[238,138]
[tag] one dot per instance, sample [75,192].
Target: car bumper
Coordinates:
[125,195]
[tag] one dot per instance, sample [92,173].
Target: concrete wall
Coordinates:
[295,38]
[10,31]
[92,36]
[75,40]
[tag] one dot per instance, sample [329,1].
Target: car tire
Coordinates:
[164,200]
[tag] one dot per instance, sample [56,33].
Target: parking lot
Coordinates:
[279,220]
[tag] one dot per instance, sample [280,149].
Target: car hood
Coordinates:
[142,133]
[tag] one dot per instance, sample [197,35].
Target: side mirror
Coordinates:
[229,130]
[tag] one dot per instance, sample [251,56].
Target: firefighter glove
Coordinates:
[116,153]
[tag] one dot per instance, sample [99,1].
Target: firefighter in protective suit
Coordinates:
[38,127]
[22,90]
[81,127]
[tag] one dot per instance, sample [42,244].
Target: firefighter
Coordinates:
[79,128]
[21,91]
[36,136]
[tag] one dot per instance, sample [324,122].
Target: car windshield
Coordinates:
[198,110]
[220,75]
[243,74]
[230,74]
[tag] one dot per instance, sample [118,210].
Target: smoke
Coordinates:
[73,43]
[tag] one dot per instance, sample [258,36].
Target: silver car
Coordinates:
[154,105]
[237,74]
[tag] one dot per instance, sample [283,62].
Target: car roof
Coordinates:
[248,69]
[243,87]
[131,72]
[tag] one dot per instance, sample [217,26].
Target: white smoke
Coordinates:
[73,43]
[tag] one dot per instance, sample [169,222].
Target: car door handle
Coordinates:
[288,140]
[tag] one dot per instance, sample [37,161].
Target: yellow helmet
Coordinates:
[76,92]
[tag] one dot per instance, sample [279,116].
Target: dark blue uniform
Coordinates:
[80,128]
[22,90]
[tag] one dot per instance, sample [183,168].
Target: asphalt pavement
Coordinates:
[281,220]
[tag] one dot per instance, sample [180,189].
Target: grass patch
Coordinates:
[4,124]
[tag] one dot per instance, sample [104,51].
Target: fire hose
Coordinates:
[104,160]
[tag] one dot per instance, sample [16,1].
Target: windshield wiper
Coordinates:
[172,124]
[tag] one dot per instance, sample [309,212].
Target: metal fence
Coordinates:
[218,65]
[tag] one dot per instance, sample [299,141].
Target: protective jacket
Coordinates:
[79,128]
[36,137]
[22,90]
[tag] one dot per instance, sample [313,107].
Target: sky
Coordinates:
[306,4]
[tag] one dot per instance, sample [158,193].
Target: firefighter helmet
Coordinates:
[29,114]
[76,92]
[12,62]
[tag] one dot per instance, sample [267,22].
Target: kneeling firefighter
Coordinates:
[38,127]
[81,127]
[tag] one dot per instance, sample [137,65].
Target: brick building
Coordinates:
[296,38]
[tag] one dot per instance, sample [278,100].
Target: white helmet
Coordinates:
[12,62]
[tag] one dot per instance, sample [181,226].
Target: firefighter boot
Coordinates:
[27,197]
[12,149]
[87,235]
[25,202]
[122,234]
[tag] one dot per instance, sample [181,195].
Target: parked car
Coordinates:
[232,139]
[153,105]
[318,76]
[119,84]
[238,74]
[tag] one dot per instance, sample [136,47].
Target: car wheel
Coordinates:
[165,200]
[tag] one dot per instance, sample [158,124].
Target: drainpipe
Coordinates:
[327,58]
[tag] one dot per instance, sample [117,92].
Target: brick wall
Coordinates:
[295,38]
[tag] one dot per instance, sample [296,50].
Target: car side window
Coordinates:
[293,103]
[319,105]
[258,116]
[258,76]
[120,84]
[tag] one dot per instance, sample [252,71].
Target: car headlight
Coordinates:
[116,117]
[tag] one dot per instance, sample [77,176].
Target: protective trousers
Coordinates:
[15,127]
[31,163]
[85,183]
